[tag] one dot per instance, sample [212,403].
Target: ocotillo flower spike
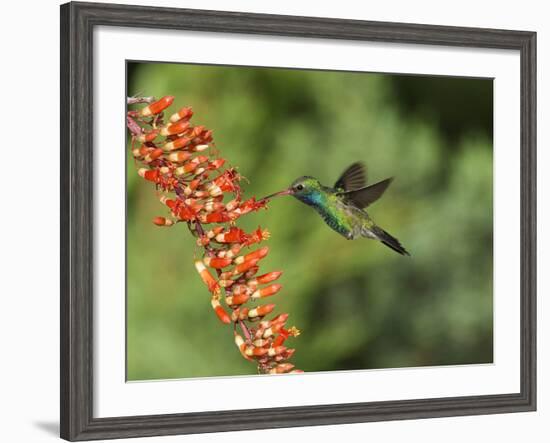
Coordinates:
[194,187]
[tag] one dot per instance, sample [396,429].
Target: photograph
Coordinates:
[304,220]
[296,221]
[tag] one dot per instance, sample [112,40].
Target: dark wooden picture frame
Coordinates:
[77,24]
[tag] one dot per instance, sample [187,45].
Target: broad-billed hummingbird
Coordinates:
[342,207]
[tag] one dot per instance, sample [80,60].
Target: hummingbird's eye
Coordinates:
[299,187]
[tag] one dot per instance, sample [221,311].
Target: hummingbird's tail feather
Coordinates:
[390,241]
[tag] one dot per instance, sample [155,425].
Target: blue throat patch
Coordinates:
[313,198]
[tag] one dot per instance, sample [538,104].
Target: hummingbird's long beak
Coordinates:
[277,194]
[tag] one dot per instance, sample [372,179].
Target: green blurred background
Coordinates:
[359,304]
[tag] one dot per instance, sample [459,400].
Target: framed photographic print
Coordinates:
[273,221]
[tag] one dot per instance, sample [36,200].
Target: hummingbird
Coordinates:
[342,207]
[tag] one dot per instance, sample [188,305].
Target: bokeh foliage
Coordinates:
[359,304]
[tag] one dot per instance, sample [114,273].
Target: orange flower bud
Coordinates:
[152,155]
[216,263]
[267,291]
[212,206]
[269,277]
[175,128]
[254,351]
[243,267]
[216,164]
[179,156]
[176,144]
[185,169]
[281,318]
[265,278]
[214,217]
[272,330]
[258,254]
[214,190]
[261,311]
[206,277]
[220,312]
[157,107]
[190,165]
[183,113]
[276,350]
[148,136]
[193,184]
[237,299]
[168,202]
[151,175]
[239,341]
[281,368]
[162,221]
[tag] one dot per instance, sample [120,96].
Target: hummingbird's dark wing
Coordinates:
[365,196]
[354,177]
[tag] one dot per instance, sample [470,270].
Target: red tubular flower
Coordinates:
[176,144]
[239,299]
[178,157]
[217,263]
[194,187]
[175,128]
[266,291]
[233,235]
[183,113]
[266,278]
[157,107]
[149,174]
[149,137]
[163,221]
